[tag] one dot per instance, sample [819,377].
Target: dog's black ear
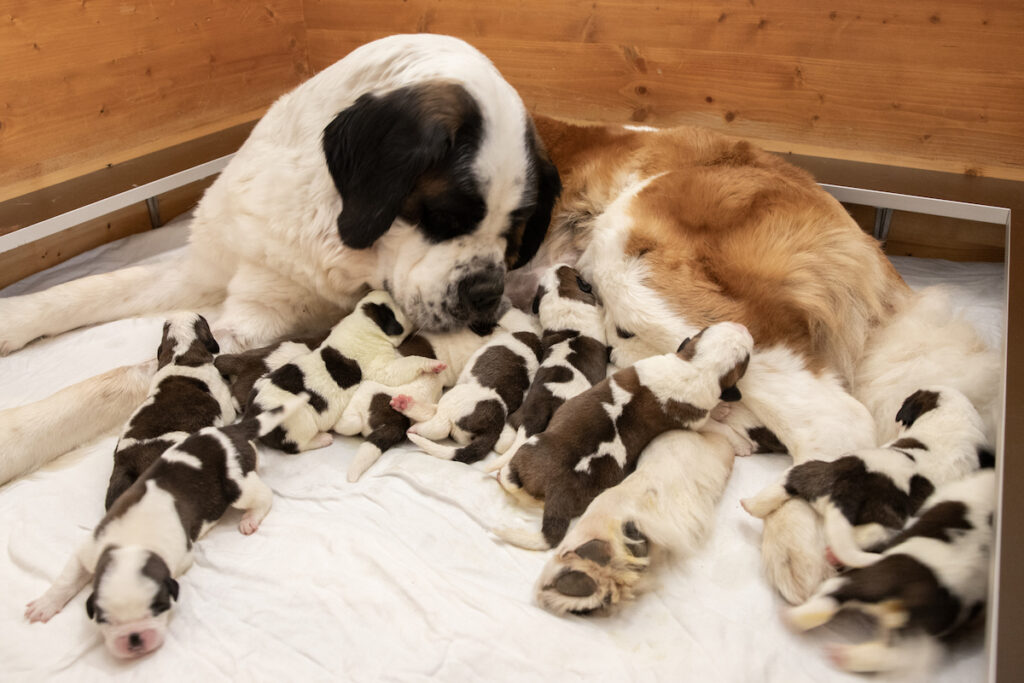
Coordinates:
[90,605]
[730,394]
[205,336]
[916,405]
[384,317]
[376,150]
[536,299]
[549,187]
[172,587]
[165,351]
[986,458]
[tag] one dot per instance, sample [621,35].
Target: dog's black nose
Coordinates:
[135,641]
[481,291]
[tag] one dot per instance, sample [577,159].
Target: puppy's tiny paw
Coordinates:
[248,524]
[41,609]
[721,411]
[438,368]
[402,402]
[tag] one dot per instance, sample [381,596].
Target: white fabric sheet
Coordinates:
[395,577]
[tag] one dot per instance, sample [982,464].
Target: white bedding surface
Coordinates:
[395,577]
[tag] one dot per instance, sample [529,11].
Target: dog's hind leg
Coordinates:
[71,580]
[180,283]
[34,434]
[767,501]
[255,498]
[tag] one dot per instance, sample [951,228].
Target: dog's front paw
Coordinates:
[588,574]
[42,609]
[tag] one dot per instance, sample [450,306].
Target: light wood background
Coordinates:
[86,85]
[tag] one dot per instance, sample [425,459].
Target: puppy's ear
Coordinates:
[90,605]
[730,394]
[376,150]
[916,405]
[549,187]
[683,344]
[536,299]
[165,351]
[384,318]
[205,336]
[172,587]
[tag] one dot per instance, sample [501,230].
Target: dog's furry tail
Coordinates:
[34,434]
[840,539]
[531,539]
[793,551]
[433,448]
[366,455]
[473,451]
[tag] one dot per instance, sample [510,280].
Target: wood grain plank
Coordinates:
[100,82]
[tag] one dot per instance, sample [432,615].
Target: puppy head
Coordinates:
[383,313]
[186,340]
[724,349]
[131,600]
[565,301]
[450,189]
[941,412]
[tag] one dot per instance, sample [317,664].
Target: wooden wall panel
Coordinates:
[935,86]
[87,84]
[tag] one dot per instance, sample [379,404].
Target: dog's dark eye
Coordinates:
[584,285]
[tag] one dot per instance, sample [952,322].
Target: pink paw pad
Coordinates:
[831,558]
[440,367]
[401,402]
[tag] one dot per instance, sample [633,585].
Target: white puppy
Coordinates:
[146,538]
[361,346]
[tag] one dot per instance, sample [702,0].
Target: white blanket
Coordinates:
[395,577]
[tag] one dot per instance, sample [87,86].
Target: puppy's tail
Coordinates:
[840,538]
[507,438]
[34,434]
[366,455]
[766,501]
[530,539]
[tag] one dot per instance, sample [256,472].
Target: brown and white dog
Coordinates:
[490,387]
[929,580]
[145,541]
[241,370]
[868,495]
[682,227]
[187,394]
[595,439]
[410,165]
[574,356]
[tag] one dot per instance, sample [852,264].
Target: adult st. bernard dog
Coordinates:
[412,166]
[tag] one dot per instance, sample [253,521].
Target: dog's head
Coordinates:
[131,600]
[565,301]
[186,340]
[449,183]
[384,314]
[723,348]
[942,416]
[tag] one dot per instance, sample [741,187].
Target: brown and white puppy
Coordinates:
[241,370]
[145,541]
[361,346]
[187,394]
[574,355]
[490,387]
[929,580]
[867,495]
[595,439]
[383,414]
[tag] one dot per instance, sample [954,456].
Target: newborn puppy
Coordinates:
[361,346]
[595,439]
[573,355]
[865,495]
[187,393]
[375,410]
[929,580]
[241,370]
[146,538]
[491,386]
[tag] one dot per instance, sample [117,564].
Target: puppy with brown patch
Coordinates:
[242,370]
[929,580]
[574,355]
[146,538]
[490,387]
[186,394]
[867,495]
[595,439]
[376,409]
[362,346]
